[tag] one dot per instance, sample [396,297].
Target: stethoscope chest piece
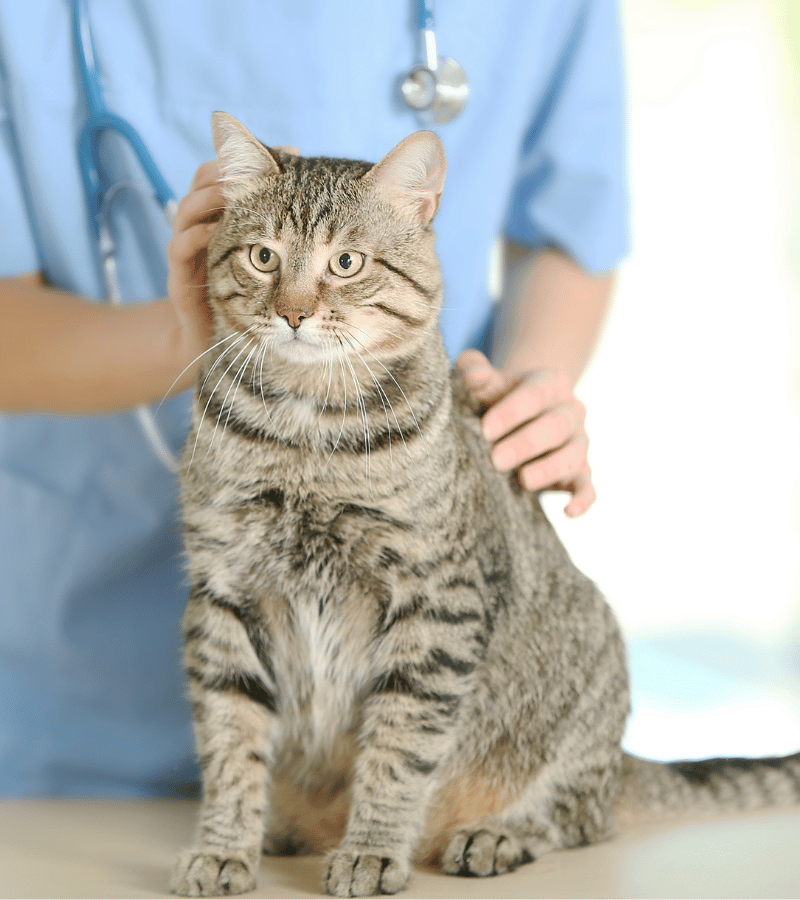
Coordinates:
[437,96]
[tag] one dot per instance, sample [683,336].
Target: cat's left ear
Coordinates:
[243,158]
[411,176]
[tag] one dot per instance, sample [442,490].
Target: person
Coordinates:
[91,586]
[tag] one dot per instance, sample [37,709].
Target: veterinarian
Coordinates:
[91,584]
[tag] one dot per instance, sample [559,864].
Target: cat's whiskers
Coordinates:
[344,404]
[361,406]
[211,397]
[261,384]
[254,371]
[388,372]
[237,380]
[239,337]
[186,369]
[329,367]
[384,398]
[224,399]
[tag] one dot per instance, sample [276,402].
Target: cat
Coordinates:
[391,657]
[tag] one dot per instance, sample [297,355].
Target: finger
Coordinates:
[206,174]
[486,383]
[187,259]
[472,358]
[583,497]
[184,246]
[535,438]
[541,390]
[202,204]
[290,149]
[561,467]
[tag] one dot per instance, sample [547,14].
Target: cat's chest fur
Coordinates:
[314,568]
[317,552]
[322,674]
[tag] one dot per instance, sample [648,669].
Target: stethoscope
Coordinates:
[436,89]
[101,190]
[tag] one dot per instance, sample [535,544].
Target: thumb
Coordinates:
[486,383]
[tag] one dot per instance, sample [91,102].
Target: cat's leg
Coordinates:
[575,810]
[234,701]
[393,780]
[410,728]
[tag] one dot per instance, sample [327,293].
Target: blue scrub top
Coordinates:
[91,583]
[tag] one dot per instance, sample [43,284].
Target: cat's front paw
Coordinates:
[211,872]
[354,873]
[482,852]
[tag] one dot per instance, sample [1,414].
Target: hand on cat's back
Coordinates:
[536,426]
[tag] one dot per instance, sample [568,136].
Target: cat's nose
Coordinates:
[294,317]
[295,308]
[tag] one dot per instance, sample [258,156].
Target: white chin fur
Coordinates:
[300,348]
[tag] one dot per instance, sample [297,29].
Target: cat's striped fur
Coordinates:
[390,655]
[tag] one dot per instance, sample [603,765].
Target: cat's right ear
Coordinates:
[243,159]
[411,177]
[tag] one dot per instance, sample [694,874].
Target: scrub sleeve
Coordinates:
[571,190]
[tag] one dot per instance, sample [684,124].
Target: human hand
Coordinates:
[195,220]
[536,426]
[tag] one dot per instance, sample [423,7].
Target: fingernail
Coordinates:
[503,458]
[490,430]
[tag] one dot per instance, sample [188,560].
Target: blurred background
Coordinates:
[694,394]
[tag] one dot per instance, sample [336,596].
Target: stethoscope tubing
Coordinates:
[99,120]
[100,191]
[425,16]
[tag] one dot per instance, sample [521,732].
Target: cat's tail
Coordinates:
[653,791]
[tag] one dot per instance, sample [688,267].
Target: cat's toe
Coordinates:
[351,873]
[210,872]
[483,852]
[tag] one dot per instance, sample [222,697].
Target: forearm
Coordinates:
[62,354]
[551,313]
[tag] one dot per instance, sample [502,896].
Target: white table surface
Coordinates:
[107,848]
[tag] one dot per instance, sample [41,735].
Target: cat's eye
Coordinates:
[346,264]
[264,259]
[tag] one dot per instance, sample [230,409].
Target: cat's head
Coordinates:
[325,256]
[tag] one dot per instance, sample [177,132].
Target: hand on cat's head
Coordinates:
[536,426]
[195,219]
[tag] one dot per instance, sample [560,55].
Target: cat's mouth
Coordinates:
[320,343]
[303,344]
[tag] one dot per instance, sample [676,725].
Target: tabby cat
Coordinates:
[390,655]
